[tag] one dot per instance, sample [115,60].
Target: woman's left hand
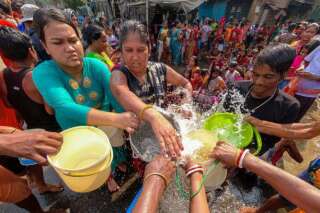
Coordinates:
[167,136]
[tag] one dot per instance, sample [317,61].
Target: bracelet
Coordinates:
[193,167]
[239,157]
[148,106]
[194,170]
[159,175]
[240,165]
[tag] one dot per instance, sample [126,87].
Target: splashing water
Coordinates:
[231,198]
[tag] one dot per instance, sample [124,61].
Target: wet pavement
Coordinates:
[97,201]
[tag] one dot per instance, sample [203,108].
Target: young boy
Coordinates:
[263,99]
[18,90]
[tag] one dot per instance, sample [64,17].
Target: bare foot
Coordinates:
[248,210]
[48,188]
[112,185]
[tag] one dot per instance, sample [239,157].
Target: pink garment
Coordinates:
[295,65]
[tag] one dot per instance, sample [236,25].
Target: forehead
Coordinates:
[264,69]
[133,40]
[59,30]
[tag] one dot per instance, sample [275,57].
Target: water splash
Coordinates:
[230,200]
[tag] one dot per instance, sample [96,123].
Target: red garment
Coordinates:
[7,23]
[8,116]
[235,35]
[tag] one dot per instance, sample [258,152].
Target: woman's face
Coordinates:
[101,44]
[63,45]
[135,54]
[308,34]
[74,20]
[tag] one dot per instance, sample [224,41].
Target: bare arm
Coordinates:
[165,133]
[198,203]
[289,131]
[128,99]
[32,92]
[292,188]
[302,194]
[150,197]
[176,79]
[154,185]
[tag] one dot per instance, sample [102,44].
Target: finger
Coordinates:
[54,135]
[50,142]
[39,159]
[176,146]
[46,150]
[130,130]
[179,141]
[169,145]
[162,144]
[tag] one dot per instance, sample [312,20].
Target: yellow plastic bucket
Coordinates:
[84,160]
[208,139]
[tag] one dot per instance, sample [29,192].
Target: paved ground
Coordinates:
[98,201]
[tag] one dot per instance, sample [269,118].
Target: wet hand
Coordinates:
[225,153]
[33,145]
[169,139]
[127,121]
[161,165]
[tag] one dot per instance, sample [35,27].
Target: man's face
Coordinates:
[265,81]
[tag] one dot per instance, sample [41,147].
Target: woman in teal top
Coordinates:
[76,88]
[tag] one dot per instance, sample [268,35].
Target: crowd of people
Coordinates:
[57,75]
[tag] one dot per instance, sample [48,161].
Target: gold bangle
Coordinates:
[148,106]
[159,175]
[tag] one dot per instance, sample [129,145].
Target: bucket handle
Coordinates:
[82,174]
[258,140]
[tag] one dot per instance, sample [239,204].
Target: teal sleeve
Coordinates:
[49,84]
[109,98]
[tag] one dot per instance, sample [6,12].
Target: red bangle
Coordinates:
[239,156]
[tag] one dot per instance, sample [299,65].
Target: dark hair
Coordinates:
[214,69]
[278,57]
[291,27]
[44,16]
[132,26]
[14,45]
[196,61]
[313,44]
[92,33]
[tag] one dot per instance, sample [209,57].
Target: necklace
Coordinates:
[263,103]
